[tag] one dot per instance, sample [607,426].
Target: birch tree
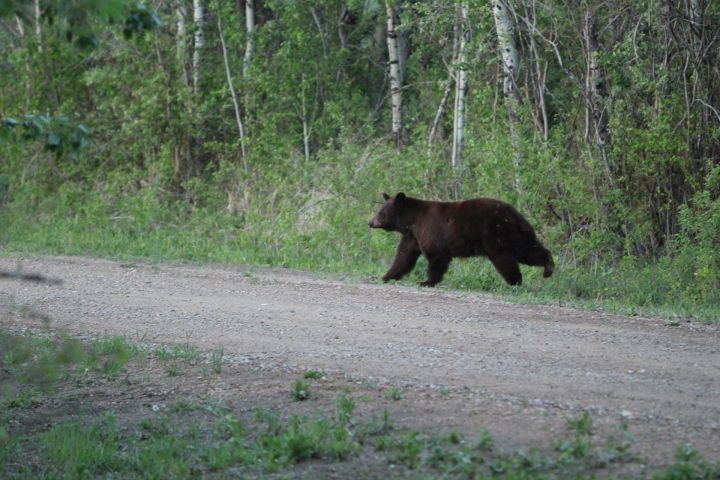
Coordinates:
[38,31]
[460,87]
[447,90]
[250,35]
[198,19]
[393,21]
[182,40]
[510,66]
[231,87]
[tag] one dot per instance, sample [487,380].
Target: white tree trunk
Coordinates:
[182,40]
[460,87]
[510,68]
[250,38]
[508,51]
[304,118]
[20,26]
[440,111]
[446,91]
[233,94]
[38,29]
[395,76]
[199,43]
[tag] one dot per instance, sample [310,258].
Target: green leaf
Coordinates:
[53,141]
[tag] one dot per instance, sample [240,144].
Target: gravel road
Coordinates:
[519,370]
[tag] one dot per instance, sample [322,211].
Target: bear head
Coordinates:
[389,217]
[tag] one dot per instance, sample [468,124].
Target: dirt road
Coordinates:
[517,370]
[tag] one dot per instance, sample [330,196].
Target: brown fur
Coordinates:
[443,230]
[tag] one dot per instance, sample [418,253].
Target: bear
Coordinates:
[442,231]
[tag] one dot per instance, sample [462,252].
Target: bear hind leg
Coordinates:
[508,266]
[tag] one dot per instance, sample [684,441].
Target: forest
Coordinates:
[265,131]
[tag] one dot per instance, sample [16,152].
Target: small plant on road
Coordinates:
[395,394]
[313,375]
[217,359]
[300,390]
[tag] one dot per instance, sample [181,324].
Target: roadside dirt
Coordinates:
[465,361]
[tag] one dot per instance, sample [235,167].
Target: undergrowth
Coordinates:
[322,228]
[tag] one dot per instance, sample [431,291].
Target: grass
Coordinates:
[673,287]
[197,437]
[394,394]
[41,361]
[577,455]
[176,357]
[217,359]
[300,391]
[313,375]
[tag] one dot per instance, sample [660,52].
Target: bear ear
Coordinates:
[386,196]
[400,197]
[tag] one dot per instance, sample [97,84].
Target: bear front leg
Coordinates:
[538,255]
[408,252]
[437,266]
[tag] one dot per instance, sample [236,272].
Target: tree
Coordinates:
[510,67]
[250,35]
[393,21]
[231,87]
[596,93]
[198,20]
[181,40]
[461,86]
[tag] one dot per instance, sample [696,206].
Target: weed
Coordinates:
[395,394]
[185,405]
[217,359]
[162,353]
[485,441]
[26,398]
[689,465]
[581,425]
[118,346]
[313,375]
[378,426]
[187,352]
[345,406]
[81,451]
[172,369]
[300,390]
[576,455]
[408,447]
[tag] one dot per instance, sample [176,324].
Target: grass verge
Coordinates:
[201,437]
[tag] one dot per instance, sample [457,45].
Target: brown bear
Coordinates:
[443,230]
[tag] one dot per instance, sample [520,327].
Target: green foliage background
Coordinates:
[162,176]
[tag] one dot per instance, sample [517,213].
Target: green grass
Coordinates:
[313,375]
[300,390]
[167,447]
[217,359]
[683,285]
[176,357]
[194,438]
[41,361]
[394,394]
